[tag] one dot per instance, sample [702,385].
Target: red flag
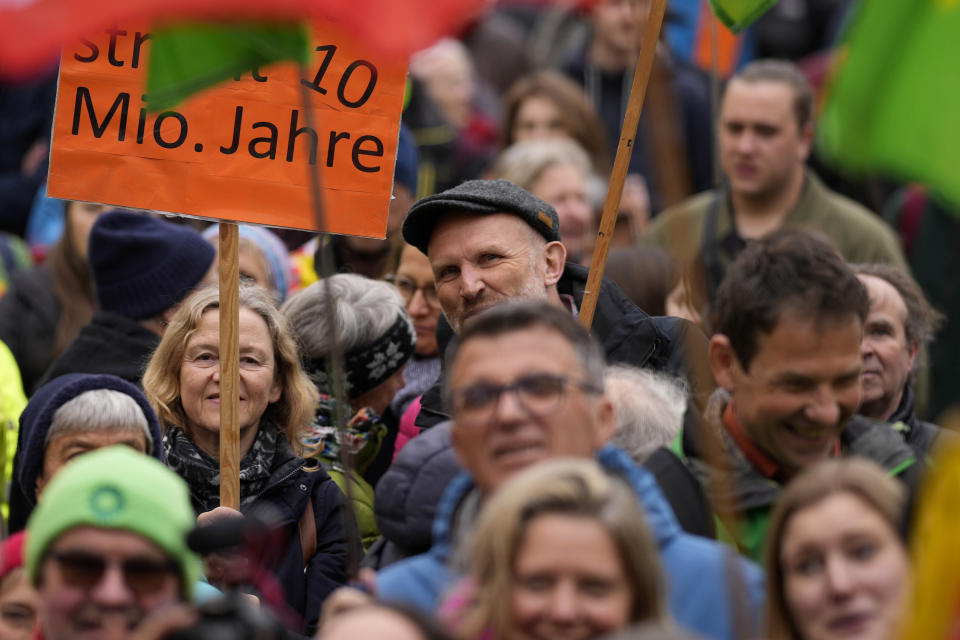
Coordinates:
[32,31]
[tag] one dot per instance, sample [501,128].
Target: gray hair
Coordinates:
[366,309]
[99,410]
[922,320]
[648,406]
[524,162]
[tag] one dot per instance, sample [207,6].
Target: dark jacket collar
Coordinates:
[619,324]
[738,485]
[905,410]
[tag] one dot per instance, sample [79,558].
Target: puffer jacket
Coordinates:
[408,495]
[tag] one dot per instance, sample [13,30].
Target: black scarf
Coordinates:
[202,473]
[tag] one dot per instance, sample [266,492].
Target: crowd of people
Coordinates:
[431,445]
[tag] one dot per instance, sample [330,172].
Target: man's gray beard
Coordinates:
[531,290]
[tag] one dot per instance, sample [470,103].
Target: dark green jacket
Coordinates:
[361,497]
[858,234]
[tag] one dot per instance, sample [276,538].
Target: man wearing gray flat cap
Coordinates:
[489,241]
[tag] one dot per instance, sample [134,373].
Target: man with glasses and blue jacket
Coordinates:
[526,385]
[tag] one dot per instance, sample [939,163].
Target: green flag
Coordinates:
[186,58]
[893,101]
[737,15]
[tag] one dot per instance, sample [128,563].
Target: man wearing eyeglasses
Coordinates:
[526,385]
[106,548]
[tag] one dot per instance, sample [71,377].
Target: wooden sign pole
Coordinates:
[229,366]
[641,77]
[335,357]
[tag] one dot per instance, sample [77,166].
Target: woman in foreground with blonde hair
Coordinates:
[276,405]
[837,566]
[562,551]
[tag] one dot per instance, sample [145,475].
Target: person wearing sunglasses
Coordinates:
[106,547]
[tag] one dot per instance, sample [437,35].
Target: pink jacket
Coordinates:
[407,429]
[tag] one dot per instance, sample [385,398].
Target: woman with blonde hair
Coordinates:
[563,550]
[277,400]
[837,566]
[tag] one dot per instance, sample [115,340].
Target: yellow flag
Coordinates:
[932,611]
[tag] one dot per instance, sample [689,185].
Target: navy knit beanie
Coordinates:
[38,414]
[142,265]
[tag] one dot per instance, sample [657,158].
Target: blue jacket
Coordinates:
[697,570]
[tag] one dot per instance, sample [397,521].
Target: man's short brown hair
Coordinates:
[787,269]
[784,72]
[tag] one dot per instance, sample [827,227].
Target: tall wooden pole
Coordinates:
[229,366]
[335,357]
[641,77]
[715,94]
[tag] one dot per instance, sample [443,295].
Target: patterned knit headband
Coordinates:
[366,367]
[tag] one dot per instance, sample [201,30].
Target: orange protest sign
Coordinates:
[241,151]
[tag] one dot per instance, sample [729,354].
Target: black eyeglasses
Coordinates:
[539,393]
[408,288]
[83,570]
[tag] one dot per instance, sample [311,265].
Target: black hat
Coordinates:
[142,265]
[480,196]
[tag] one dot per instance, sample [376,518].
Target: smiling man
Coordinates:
[527,385]
[765,134]
[786,355]
[106,548]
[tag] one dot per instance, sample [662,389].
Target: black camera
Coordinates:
[231,617]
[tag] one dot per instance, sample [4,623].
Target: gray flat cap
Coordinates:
[479,196]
